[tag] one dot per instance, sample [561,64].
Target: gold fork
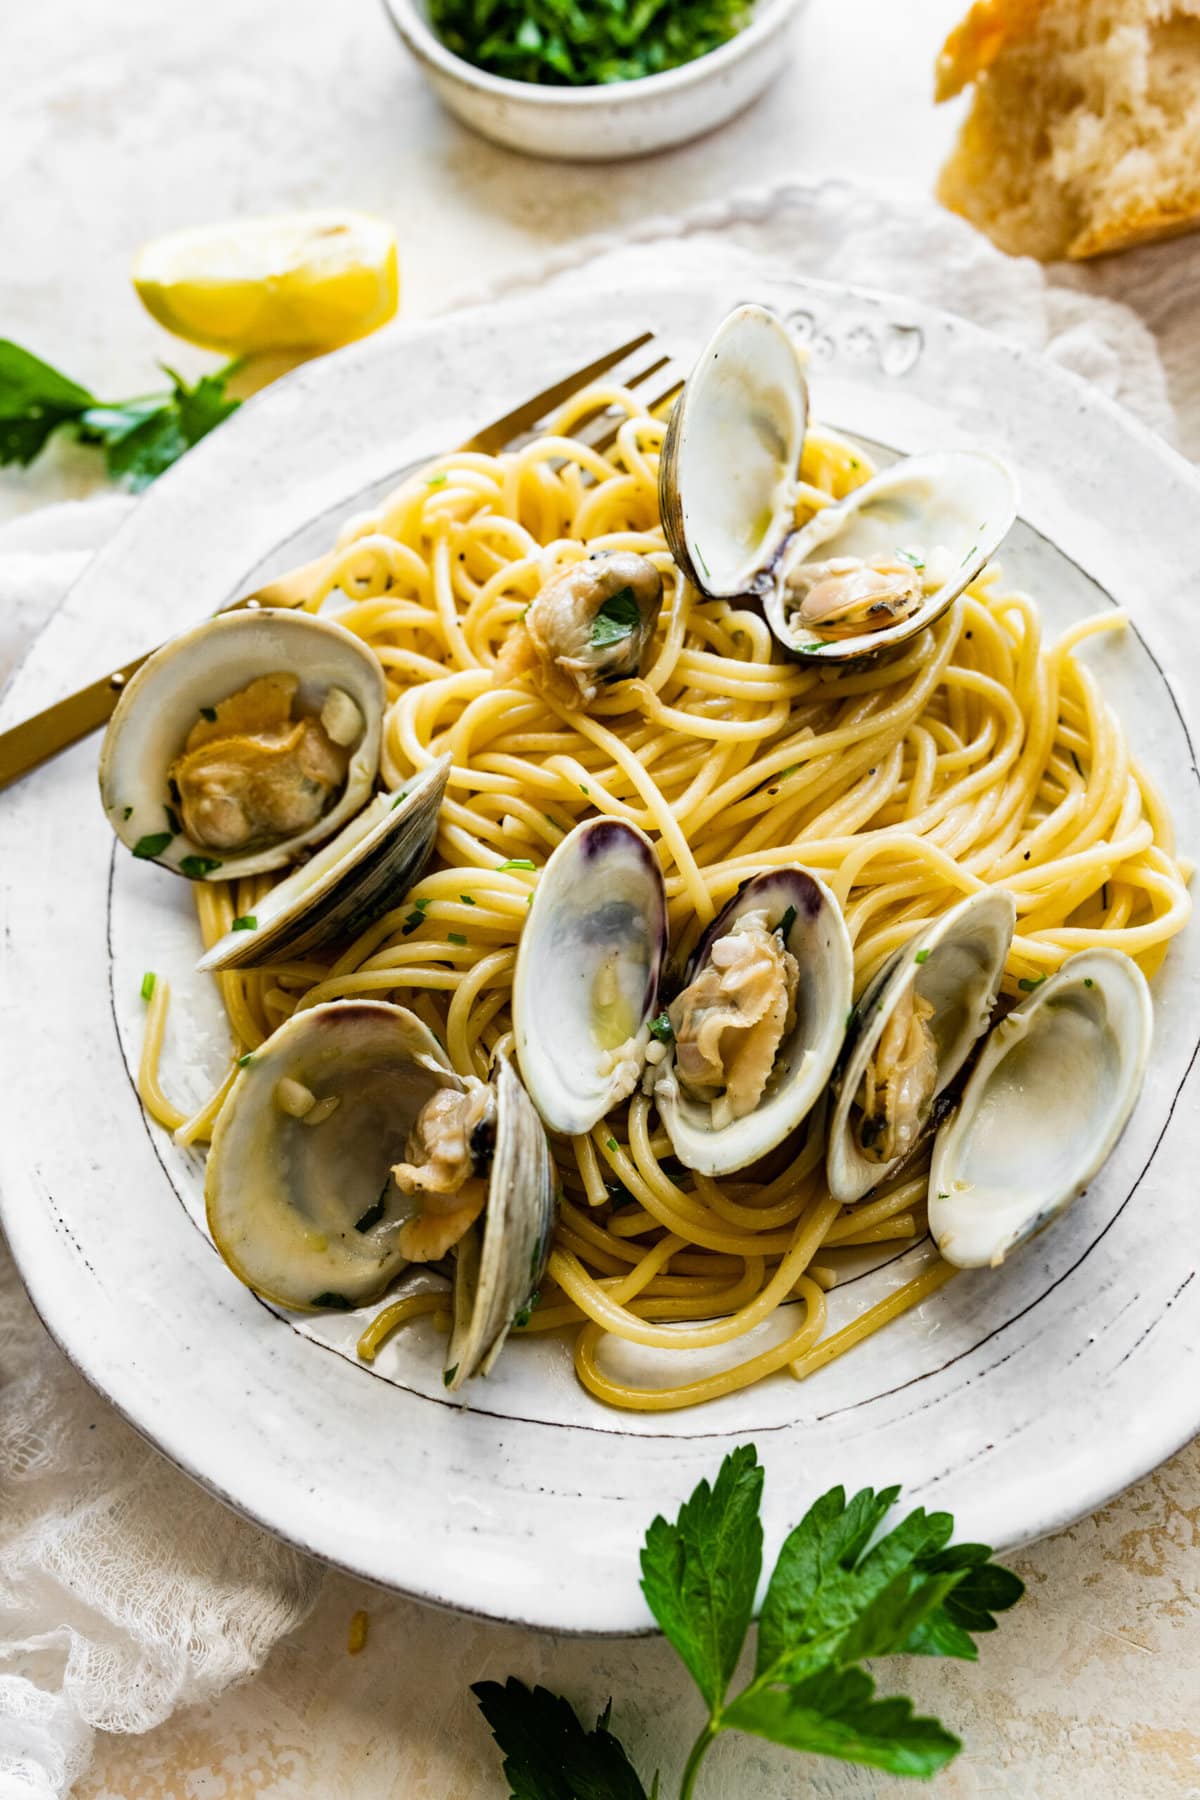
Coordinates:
[34,741]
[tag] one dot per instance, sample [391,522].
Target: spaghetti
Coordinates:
[982,755]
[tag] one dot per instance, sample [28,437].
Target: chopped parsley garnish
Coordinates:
[247,922]
[515,862]
[617,619]
[333,1302]
[790,770]
[414,921]
[522,1318]
[921,956]
[398,799]
[127,813]
[456,937]
[662,1029]
[375,1211]
[701,561]
[244,1062]
[817,644]
[582,789]
[1088,982]
[209,713]
[436,480]
[612,1143]
[467,899]
[148,980]
[970,553]
[1028,983]
[448,1375]
[785,924]
[197,867]
[153,845]
[914,562]
[562,44]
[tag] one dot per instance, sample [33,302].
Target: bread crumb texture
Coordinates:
[1083,134]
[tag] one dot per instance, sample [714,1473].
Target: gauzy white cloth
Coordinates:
[125,1591]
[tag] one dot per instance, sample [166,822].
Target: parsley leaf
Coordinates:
[834,1713]
[699,1575]
[34,401]
[140,437]
[662,1028]
[617,619]
[548,1754]
[840,1593]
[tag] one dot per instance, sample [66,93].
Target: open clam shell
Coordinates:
[727,476]
[944,983]
[1042,1110]
[307,1214]
[185,681]
[805,913]
[586,980]
[501,1261]
[299,1190]
[367,869]
[939,518]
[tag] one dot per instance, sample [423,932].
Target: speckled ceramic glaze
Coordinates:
[1020,1400]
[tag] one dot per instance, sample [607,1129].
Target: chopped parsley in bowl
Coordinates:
[584,43]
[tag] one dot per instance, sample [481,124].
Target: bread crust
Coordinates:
[977,40]
[1144,225]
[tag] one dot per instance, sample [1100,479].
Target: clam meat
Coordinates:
[589,626]
[240,745]
[756,1029]
[909,1035]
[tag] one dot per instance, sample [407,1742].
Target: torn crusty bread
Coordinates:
[1084,129]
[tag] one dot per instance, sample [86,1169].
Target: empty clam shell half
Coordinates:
[910,1034]
[782,911]
[1042,1110]
[586,979]
[243,743]
[499,1264]
[890,559]
[727,476]
[368,868]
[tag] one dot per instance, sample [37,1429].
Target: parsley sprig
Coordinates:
[567,44]
[840,1593]
[139,437]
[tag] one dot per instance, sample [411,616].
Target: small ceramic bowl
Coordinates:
[603,123]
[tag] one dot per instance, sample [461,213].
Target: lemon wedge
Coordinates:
[297,281]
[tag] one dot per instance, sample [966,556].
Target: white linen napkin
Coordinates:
[126,1591]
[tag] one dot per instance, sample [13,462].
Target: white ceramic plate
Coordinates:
[1019,1400]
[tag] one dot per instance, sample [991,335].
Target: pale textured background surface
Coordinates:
[126,119]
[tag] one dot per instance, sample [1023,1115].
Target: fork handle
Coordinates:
[35,740]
